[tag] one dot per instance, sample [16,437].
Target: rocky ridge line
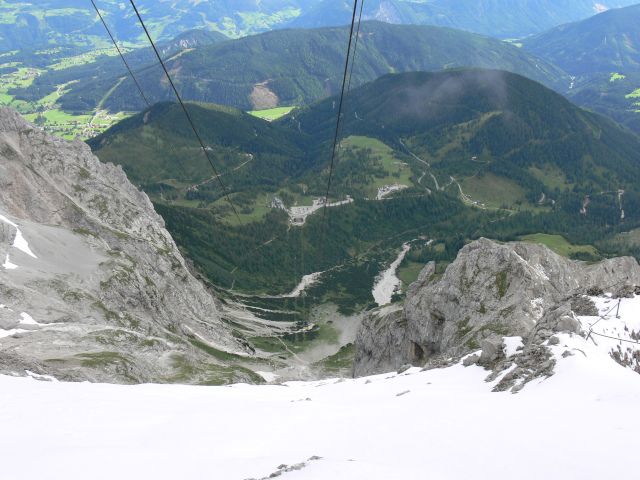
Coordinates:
[489,292]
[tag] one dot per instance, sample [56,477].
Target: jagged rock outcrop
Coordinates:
[382,334]
[491,290]
[100,288]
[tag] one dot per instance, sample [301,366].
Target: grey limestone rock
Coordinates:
[584,306]
[109,293]
[404,368]
[492,351]
[470,360]
[381,343]
[491,290]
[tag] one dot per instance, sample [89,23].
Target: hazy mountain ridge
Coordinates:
[507,121]
[601,53]
[59,22]
[607,42]
[48,82]
[497,18]
[299,66]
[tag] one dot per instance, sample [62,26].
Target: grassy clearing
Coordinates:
[616,76]
[56,121]
[257,214]
[299,200]
[269,345]
[409,274]
[552,176]
[341,361]
[559,244]
[261,205]
[494,191]
[391,164]
[258,211]
[271,113]
[634,94]
[85,58]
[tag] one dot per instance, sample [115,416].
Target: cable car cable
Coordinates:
[335,139]
[353,60]
[155,117]
[186,113]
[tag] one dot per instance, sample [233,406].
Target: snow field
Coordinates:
[579,423]
[19,242]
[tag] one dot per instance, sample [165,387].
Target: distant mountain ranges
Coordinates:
[496,18]
[499,132]
[607,42]
[74,21]
[295,67]
[602,56]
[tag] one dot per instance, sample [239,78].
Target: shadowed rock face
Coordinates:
[490,290]
[108,291]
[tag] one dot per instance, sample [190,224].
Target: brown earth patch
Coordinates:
[262,97]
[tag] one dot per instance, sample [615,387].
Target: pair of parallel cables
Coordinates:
[179,100]
[339,122]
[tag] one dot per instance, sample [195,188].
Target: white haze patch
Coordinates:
[387,283]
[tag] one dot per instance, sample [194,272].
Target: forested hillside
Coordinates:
[601,54]
[510,125]
[614,94]
[482,152]
[105,66]
[296,67]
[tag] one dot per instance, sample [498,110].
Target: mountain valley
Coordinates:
[259,263]
[309,268]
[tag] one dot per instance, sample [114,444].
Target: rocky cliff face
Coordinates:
[91,284]
[491,290]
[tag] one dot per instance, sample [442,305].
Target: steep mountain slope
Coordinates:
[497,18]
[607,42]
[601,52]
[296,67]
[613,94]
[92,286]
[524,157]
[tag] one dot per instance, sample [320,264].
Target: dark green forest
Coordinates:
[470,124]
